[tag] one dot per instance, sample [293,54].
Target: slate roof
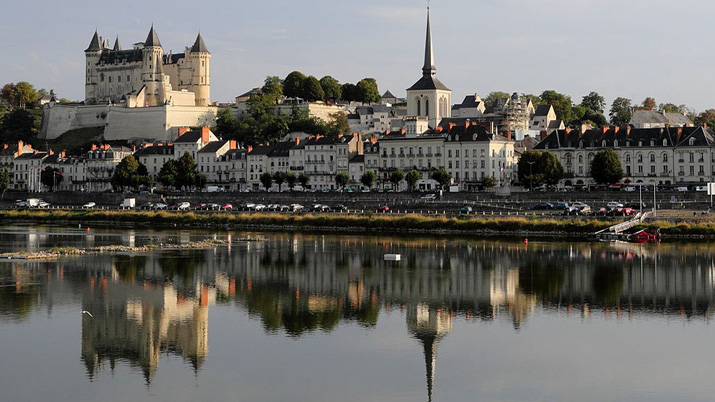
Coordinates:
[281,149]
[428,82]
[199,45]
[542,110]
[388,94]
[152,39]
[328,140]
[470,101]
[470,133]
[94,43]
[118,56]
[189,137]
[261,150]
[156,150]
[635,137]
[358,159]
[641,117]
[212,147]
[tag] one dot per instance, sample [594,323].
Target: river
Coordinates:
[312,317]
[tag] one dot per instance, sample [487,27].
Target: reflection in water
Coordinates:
[146,305]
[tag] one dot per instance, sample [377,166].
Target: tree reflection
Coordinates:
[544,280]
[608,283]
[129,266]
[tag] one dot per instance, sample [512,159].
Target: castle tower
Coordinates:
[92,54]
[201,76]
[152,71]
[428,97]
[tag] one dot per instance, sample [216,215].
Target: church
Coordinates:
[145,75]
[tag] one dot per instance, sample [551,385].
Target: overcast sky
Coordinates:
[628,48]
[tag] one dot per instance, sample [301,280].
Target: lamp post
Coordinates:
[531,176]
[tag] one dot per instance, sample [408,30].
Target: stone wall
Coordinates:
[58,119]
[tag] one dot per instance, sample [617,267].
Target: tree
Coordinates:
[412,178]
[291,178]
[669,108]
[594,101]
[396,177]
[279,178]
[489,182]
[8,94]
[648,104]
[168,173]
[493,97]
[303,179]
[272,85]
[124,172]
[606,167]
[25,93]
[51,177]
[442,177]
[536,168]
[311,89]
[349,92]
[367,91]
[332,88]
[338,123]
[342,179]
[18,124]
[226,124]
[706,117]
[620,111]
[368,178]
[187,174]
[4,181]
[561,103]
[293,84]
[267,180]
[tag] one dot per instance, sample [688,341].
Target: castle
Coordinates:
[141,92]
[145,75]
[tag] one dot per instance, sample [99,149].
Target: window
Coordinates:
[652,157]
[665,157]
[639,158]
[456,153]
[628,158]
[692,157]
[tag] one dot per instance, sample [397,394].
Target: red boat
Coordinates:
[643,236]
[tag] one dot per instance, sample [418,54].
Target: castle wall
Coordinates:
[58,119]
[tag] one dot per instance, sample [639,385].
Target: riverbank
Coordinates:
[366,223]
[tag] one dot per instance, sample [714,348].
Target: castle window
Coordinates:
[202,63]
[128,78]
[119,78]
[110,78]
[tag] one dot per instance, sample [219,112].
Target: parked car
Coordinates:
[543,205]
[577,210]
[259,207]
[637,205]
[147,205]
[321,207]
[614,204]
[465,210]
[227,207]
[296,207]
[21,204]
[562,205]
[382,208]
[89,205]
[181,206]
[339,208]
[160,205]
[201,206]
[428,197]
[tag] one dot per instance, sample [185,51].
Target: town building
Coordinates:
[655,119]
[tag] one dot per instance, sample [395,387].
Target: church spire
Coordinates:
[428,69]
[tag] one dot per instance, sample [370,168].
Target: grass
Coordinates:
[74,141]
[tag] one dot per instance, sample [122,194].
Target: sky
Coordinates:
[618,48]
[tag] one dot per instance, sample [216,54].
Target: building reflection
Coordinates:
[144,306]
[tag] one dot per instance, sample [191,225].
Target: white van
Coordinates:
[682,189]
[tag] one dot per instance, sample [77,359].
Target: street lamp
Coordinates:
[531,176]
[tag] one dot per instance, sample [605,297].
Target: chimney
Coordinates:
[62,154]
[231,144]
[402,131]
[340,135]
[450,126]
[204,134]
[134,148]
[94,147]
[605,129]
[34,152]
[583,128]
[705,125]
[543,134]
[373,140]
[249,148]
[183,130]
[474,123]
[508,135]
[616,129]
[4,146]
[438,129]
[466,123]
[20,146]
[50,152]
[628,129]
[105,147]
[680,134]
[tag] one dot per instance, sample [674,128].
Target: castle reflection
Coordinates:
[144,306]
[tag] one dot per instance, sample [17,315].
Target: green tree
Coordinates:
[8,94]
[536,168]
[412,178]
[125,172]
[396,177]
[311,89]
[561,103]
[342,179]
[535,99]
[367,91]
[25,93]
[18,124]
[621,111]
[332,88]
[338,124]
[293,84]
[187,173]
[606,167]
[706,117]
[489,182]
[493,97]
[349,92]
[272,85]
[169,173]
[291,179]
[669,108]
[303,179]
[51,177]
[266,180]
[368,178]
[279,178]
[442,177]
[594,101]
[226,124]
[4,181]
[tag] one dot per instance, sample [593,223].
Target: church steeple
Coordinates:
[428,68]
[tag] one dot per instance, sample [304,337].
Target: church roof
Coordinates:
[94,44]
[199,45]
[428,82]
[152,39]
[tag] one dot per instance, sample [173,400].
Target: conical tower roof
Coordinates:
[117,45]
[94,44]
[152,39]
[428,80]
[199,45]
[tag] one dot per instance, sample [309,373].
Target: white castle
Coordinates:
[145,75]
[141,92]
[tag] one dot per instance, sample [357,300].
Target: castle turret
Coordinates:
[201,75]
[92,54]
[152,71]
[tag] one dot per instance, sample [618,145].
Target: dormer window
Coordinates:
[615,143]
[691,142]
[652,143]
[603,143]
[665,142]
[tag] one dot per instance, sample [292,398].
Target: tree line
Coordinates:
[591,109]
